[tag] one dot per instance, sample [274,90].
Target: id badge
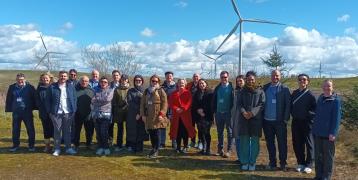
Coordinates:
[221,101]
[150,102]
[19,99]
[273,101]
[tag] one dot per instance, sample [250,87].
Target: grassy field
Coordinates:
[124,165]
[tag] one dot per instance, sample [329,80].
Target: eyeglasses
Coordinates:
[223,77]
[104,82]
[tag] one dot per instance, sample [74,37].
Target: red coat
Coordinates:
[182,101]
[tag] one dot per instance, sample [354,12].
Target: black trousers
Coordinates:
[154,138]
[273,130]
[89,130]
[204,135]
[47,127]
[120,131]
[102,125]
[302,141]
[182,135]
[324,157]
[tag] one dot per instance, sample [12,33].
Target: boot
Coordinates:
[47,145]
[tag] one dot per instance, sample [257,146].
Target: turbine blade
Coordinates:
[41,60]
[228,36]
[220,55]
[235,8]
[43,42]
[263,21]
[208,56]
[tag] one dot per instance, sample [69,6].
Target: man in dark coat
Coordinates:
[84,95]
[276,116]
[21,101]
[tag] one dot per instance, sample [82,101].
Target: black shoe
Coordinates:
[220,153]
[270,167]
[238,162]
[283,168]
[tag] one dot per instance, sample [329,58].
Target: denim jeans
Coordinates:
[223,120]
[27,117]
[101,127]
[324,157]
[62,125]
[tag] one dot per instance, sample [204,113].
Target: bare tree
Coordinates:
[114,57]
[96,58]
[123,59]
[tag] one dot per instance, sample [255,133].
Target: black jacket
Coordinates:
[203,100]
[27,95]
[304,108]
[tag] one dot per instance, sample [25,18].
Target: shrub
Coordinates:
[350,110]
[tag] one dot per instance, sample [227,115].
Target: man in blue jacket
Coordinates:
[20,100]
[276,116]
[325,130]
[61,102]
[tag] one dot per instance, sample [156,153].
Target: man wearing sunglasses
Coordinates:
[73,77]
[222,105]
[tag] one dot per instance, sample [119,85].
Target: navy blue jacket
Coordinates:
[54,95]
[26,93]
[328,116]
[283,102]
[304,108]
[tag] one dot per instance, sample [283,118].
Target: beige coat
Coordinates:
[153,104]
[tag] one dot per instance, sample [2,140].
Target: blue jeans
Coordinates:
[27,117]
[162,136]
[273,130]
[223,120]
[101,127]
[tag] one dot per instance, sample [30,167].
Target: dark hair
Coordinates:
[303,74]
[224,72]
[116,71]
[240,77]
[124,77]
[103,78]
[204,80]
[20,75]
[138,76]
[155,76]
[250,73]
[62,72]
[169,72]
[72,70]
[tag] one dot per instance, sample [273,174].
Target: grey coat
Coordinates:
[254,102]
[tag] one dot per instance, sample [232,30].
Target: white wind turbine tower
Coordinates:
[215,60]
[47,54]
[240,23]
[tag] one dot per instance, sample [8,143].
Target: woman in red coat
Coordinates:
[181,125]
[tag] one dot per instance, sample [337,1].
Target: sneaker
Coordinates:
[300,168]
[185,150]
[245,167]
[56,152]
[227,154]
[71,151]
[200,146]
[252,167]
[207,153]
[220,153]
[153,154]
[14,149]
[118,149]
[107,152]
[192,144]
[31,149]
[307,170]
[100,151]
[162,146]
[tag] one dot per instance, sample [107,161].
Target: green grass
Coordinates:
[86,165]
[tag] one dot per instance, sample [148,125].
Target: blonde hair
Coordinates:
[47,74]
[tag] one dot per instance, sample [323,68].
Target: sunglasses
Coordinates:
[223,77]
[104,82]
[154,81]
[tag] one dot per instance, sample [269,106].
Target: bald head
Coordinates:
[95,74]
[196,78]
[275,76]
[84,81]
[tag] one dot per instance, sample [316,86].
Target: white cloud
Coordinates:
[147,32]
[302,48]
[66,27]
[352,32]
[343,18]
[181,4]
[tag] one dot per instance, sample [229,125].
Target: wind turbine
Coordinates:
[47,54]
[214,59]
[240,23]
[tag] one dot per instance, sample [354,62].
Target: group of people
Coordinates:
[243,109]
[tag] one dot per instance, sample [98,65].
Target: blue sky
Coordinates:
[169,21]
